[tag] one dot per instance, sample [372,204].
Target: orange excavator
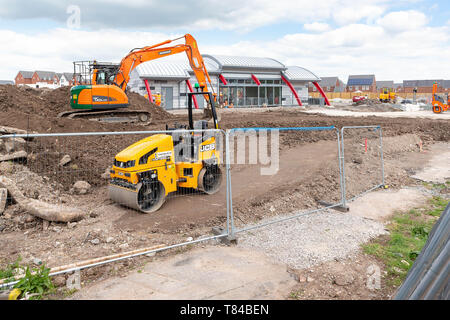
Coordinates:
[439,103]
[100,90]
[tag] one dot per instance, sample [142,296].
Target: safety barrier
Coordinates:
[43,155]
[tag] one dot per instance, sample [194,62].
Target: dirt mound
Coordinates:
[49,103]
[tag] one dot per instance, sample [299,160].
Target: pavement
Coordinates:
[215,272]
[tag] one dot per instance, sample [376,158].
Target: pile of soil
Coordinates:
[49,103]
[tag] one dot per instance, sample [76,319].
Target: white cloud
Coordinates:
[403,20]
[357,12]
[194,14]
[316,26]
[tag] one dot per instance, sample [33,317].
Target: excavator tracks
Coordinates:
[111,116]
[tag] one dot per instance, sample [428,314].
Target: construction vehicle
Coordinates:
[439,102]
[100,90]
[146,172]
[388,95]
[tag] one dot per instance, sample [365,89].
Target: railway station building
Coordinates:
[238,82]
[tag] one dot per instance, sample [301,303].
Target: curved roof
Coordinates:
[170,69]
[161,69]
[295,73]
[245,62]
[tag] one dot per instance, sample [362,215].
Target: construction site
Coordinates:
[124,199]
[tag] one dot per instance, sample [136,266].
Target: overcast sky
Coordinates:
[395,40]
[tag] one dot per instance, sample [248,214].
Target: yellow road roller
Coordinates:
[147,171]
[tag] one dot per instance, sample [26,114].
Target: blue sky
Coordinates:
[394,40]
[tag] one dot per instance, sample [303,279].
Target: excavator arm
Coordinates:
[140,55]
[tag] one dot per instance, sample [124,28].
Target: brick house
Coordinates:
[329,84]
[45,78]
[425,86]
[364,83]
[385,84]
[23,77]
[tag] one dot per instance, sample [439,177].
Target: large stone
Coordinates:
[12,156]
[81,187]
[14,144]
[3,197]
[65,160]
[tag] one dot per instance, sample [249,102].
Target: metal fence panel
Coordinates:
[284,181]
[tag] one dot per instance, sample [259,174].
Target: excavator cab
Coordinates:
[145,173]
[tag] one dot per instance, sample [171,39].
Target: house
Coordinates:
[364,83]
[23,77]
[65,79]
[423,86]
[45,79]
[329,84]
[385,84]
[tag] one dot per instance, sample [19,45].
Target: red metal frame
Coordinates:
[149,92]
[256,80]
[194,98]
[292,90]
[222,78]
[319,88]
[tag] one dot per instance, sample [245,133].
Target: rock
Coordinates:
[109,239]
[6,167]
[272,209]
[151,254]
[29,218]
[14,144]
[7,216]
[124,246]
[357,160]
[3,197]
[95,241]
[37,261]
[12,156]
[45,225]
[310,279]
[189,239]
[93,214]
[57,229]
[71,225]
[81,187]
[59,280]
[65,160]
[74,167]
[343,279]
[106,174]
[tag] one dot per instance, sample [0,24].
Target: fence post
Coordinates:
[230,214]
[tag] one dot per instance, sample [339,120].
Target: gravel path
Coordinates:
[312,239]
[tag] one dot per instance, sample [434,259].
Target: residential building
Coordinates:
[329,84]
[364,83]
[385,84]
[44,79]
[423,86]
[24,77]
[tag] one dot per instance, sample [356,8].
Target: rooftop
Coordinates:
[294,73]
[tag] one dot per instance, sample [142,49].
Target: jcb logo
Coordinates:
[207,147]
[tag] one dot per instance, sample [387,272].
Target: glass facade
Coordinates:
[246,93]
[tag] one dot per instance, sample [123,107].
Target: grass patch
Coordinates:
[33,283]
[408,233]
